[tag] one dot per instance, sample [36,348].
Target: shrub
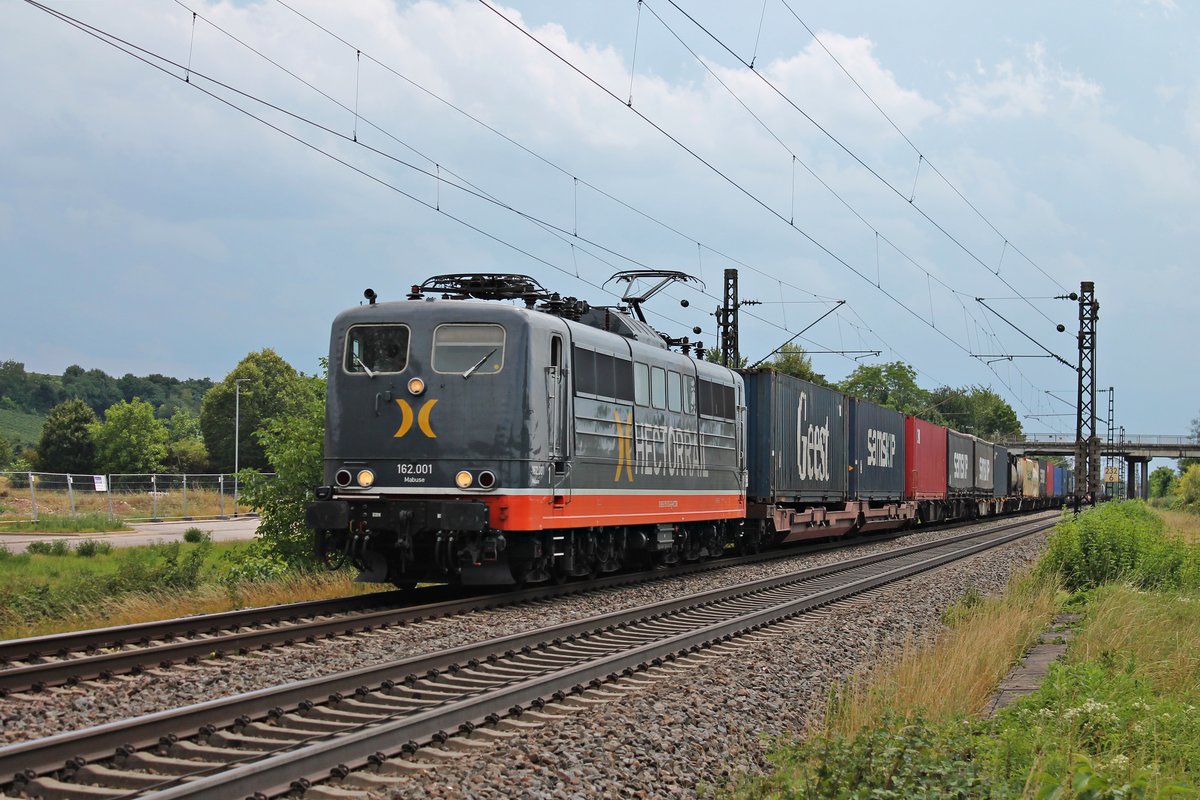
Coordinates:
[255,565]
[1117,542]
[91,547]
[195,536]
[38,548]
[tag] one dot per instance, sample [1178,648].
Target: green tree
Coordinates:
[94,386]
[6,452]
[1186,463]
[1162,481]
[66,444]
[793,360]
[713,354]
[270,388]
[185,444]
[130,439]
[293,443]
[1187,488]
[893,385]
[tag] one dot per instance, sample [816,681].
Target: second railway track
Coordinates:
[34,664]
[266,741]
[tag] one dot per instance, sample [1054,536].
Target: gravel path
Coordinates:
[26,717]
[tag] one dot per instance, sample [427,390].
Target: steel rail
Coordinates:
[49,755]
[188,639]
[283,772]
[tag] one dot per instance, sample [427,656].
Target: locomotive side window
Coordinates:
[674,392]
[468,349]
[372,349]
[658,387]
[585,371]
[717,400]
[641,384]
[689,394]
[603,375]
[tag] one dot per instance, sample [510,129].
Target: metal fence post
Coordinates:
[154,498]
[71,494]
[185,514]
[32,496]
[221,492]
[108,487]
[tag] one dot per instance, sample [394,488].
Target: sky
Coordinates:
[260,164]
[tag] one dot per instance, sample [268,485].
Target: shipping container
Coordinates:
[797,442]
[924,460]
[876,451]
[960,453]
[1031,482]
[1001,472]
[1060,481]
[1045,478]
[984,478]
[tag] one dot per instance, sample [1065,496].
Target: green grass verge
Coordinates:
[64,582]
[1116,719]
[65,523]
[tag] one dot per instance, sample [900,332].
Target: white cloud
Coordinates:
[1030,87]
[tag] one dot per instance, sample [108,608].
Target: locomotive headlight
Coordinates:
[366,478]
[416,387]
[464,479]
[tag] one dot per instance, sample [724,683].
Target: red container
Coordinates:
[1049,479]
[924,460]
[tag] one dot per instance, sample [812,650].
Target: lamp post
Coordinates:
[237,417]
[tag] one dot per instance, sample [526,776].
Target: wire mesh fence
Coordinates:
[28,496]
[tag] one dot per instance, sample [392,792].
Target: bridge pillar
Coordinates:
[1137,486]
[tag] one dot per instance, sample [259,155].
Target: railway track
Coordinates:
[37,663]
[277,740]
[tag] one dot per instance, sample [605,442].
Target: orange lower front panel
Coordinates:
[529,513]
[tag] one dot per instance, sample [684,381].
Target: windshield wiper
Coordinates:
[364,367]
[479,363]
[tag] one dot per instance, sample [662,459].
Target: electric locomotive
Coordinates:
[486,431]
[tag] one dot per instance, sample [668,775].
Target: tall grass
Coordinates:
[957,675]
[1182,525]
[93,522]
[1117,719]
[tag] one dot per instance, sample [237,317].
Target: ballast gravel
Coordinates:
[713,727]
[31,716]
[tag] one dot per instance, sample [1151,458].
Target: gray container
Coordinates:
[797,445]
[876,452]
[1001,472]
[960,457]
[984,464]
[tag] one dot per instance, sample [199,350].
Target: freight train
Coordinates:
[477,441]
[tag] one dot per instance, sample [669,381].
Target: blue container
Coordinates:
[876,452]
[960,463]
[1002,472]
[983,479]
[796,440]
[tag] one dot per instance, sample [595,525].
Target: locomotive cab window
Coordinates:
[468,349]
[372,349]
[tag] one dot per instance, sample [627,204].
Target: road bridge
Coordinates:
[1137,451]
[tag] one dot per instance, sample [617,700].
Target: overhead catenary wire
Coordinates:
[716,170]
[149,58]
[846,149]
[439,179]
[917,150]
